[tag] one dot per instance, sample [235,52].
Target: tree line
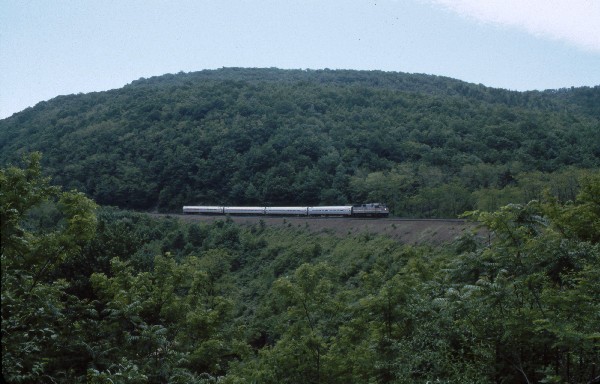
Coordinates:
[427,146]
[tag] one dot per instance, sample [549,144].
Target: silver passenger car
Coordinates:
[287,211]
[203,209]
[340,210]
[244,210]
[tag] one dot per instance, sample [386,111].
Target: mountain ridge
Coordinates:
[265,135]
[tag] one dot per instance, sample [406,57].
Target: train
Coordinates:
[362,210]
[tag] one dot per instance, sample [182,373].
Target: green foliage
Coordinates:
[35,309]
[169,318]
[535,281]
[113,296]
[427,146]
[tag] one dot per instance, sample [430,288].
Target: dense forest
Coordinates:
[96,290]
[99,295]
[427,146]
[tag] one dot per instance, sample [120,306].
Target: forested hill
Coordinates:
[428,146]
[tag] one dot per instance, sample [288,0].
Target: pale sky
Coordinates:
[51,47]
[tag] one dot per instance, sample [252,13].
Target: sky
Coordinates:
[58,47]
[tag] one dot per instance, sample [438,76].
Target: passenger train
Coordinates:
[364,210]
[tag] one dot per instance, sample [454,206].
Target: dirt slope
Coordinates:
[407,231]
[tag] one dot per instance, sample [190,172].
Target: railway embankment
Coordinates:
[407,231]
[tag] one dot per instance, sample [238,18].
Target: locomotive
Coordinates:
[363,210]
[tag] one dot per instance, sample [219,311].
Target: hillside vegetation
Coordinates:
[427,146]
[103,296]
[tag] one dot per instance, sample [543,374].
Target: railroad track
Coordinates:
[315,218]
